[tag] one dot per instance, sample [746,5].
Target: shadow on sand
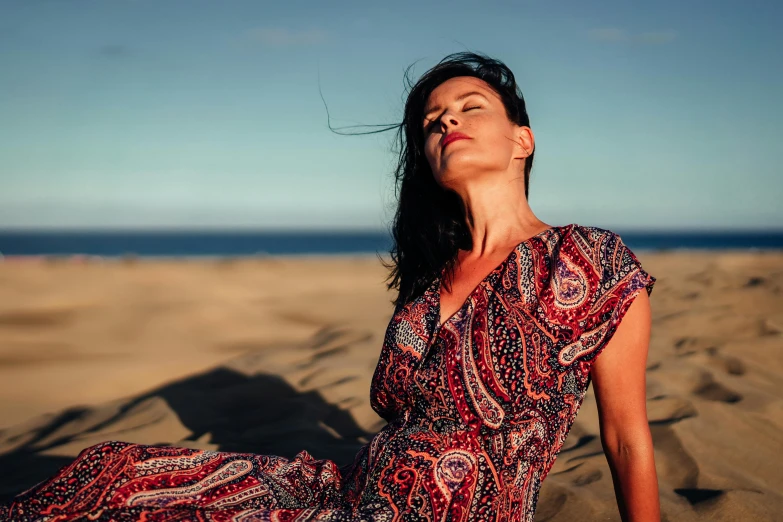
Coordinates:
[261,413]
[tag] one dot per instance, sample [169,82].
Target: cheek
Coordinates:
[499,138]
[492,126]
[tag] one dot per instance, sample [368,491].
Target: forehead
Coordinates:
[458,85]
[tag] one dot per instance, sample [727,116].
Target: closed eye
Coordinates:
[429,127]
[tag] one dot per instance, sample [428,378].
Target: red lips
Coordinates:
[453,136]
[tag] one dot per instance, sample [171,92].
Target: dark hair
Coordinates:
[429,224]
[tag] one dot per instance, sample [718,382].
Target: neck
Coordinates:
[497,215]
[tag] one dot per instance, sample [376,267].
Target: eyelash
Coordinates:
[429,127]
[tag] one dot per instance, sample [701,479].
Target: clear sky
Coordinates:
[194,113]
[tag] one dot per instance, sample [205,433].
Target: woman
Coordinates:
[495,338]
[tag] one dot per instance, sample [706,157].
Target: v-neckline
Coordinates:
[499,267]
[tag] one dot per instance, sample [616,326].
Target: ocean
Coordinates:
[258,243]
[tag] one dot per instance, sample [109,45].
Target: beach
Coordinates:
[275,354]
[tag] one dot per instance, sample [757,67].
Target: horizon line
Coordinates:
[345,230]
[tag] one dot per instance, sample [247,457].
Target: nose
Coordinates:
[447,120]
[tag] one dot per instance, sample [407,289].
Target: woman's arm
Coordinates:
[619,381]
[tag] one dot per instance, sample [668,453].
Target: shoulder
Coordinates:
[615,278]
[589,243]
[605,259]
[596,236]
[606,249]
[618,268]
[587,237]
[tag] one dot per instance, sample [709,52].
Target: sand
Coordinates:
[275,355]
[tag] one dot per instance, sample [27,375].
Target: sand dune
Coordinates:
[276,355]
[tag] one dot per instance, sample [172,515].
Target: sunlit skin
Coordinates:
[486,172]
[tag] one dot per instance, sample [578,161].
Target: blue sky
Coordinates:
[193,113]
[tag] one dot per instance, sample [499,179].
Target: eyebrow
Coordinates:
[427,112]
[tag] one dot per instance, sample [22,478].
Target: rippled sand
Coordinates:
[275,355]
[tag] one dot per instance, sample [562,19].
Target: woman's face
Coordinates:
[470,107]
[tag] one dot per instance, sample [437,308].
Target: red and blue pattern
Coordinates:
[477,409]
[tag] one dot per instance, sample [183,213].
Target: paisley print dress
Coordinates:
[477,409]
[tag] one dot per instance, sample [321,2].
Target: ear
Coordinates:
[525,140]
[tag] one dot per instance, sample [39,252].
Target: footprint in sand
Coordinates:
[707,388]
[728,363]
[767,327]
[664,410]
[754,281]
[587,474]
[697,495]
[734,365]
[686,346]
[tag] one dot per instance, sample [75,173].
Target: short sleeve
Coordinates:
[622,278]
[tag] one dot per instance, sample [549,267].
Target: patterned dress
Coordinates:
[477,408]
